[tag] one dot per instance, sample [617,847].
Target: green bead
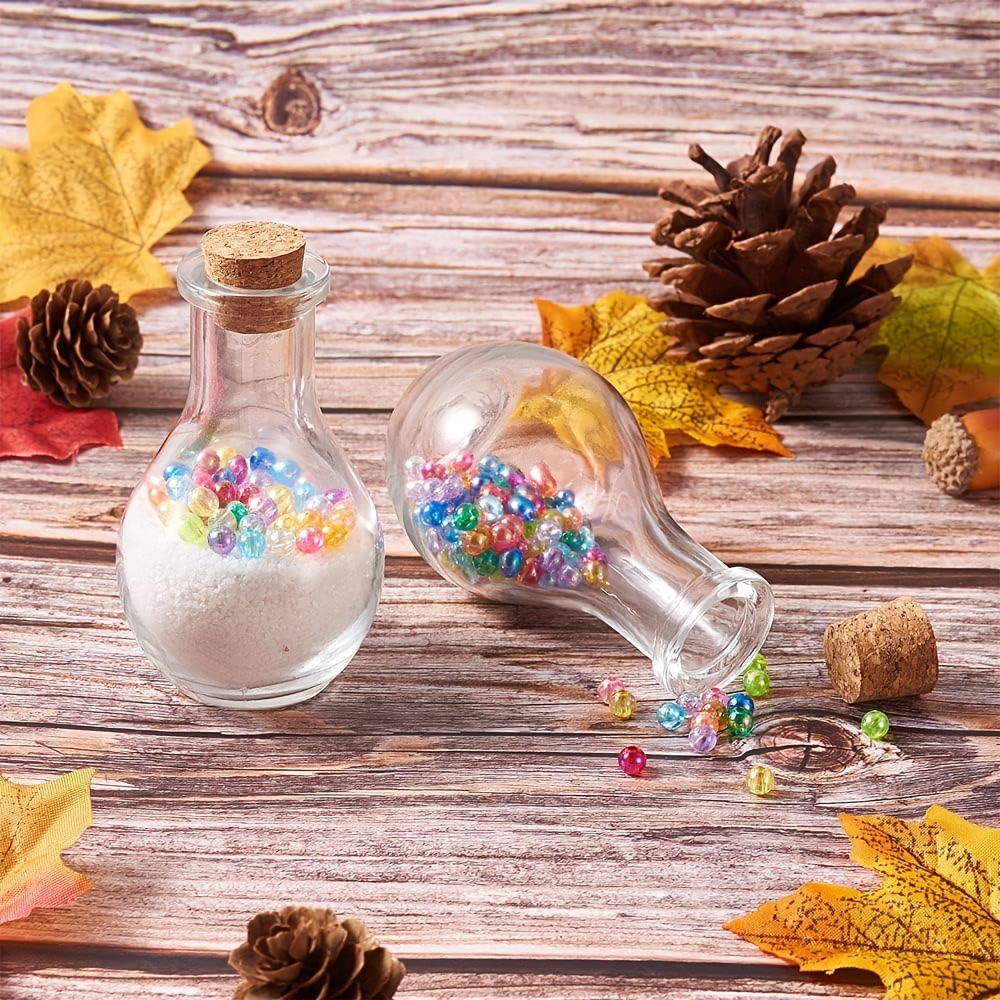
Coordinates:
[756,682]
[466,517]
[238,510]
[740,721]
[759,662]
[487,563]
[573,539]
[191,528]
[529,529]
[875,724]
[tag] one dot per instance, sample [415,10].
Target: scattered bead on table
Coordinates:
[760,779]
[875,724]
[622,704]
[632,760]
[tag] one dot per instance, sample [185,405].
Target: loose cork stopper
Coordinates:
[254,254]
[950,455]
[887,652]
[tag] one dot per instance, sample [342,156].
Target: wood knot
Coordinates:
[810,744]
[291,104]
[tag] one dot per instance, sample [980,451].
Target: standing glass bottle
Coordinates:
[250,558]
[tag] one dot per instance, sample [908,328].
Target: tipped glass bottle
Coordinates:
[521,474]
[250,557]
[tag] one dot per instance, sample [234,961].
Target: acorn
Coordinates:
[963,453]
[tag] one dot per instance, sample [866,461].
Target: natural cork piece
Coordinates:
[888,652]
[254,255]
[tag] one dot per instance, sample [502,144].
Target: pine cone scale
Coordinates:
[772,306]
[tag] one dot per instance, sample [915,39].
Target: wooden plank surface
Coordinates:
[456,786]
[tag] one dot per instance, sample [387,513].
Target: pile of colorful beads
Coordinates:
[490,521]
[713,712]
[249,506]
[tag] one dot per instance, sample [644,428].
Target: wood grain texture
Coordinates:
[456,785]
[587,93]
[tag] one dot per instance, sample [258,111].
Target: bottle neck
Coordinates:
[233,371]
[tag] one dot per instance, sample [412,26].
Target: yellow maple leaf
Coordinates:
[931,930]
[619,336]
[95,190]
[943,339]
[37,823]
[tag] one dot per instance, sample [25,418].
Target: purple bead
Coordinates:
[238,467]
[435,543]
[337,496]
[551,560]
[568,577]
[516,478]
[548,532]
[221,540]
[702,739]
[689,701]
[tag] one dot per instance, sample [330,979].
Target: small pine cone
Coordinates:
[80,341]
[307,954]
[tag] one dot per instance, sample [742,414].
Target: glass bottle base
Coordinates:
[254,699]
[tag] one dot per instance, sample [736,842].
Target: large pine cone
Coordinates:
[307,954]
[768,302]
[80,341]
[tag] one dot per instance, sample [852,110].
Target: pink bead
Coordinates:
[516,478]
[608,687]
[337,496]
[209,458]
[714,694]
[433,470]
[309,540]
[492,490]
[632,760]
[238,467]
[463,462]
[201,476]
[542,477]
[506,533]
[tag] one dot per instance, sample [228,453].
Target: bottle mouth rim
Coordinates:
[200,290]
[673,667]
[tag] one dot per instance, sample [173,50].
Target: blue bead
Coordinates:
[449,532]
[511,562]
[522,507]
[227,476]
[432,513]
[178,486]
[285,472]
[492,507]
[488,465]
[670,715]
[252,544]
[262,458]
[476,483]
[741,701]
[302,492]
[564,498]
[176,469]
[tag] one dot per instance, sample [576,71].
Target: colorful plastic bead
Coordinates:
[221,540]
[280,543]
[632,760]
[252,543]
[760,779]
[285,472]
[702,739]
[689,701]
[622,704]
[237,465]
[238,510]
[705,717]
[202,501]
[191,528]
[740,721]
[671,716]
[756,682]
[875,724]
[714,699]
[309,539]
[759,662]
[608,687]
[742,701]
[261,458]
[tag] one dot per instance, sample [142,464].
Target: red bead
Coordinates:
[531,573]
[632,760]
[226,492]
[248,493]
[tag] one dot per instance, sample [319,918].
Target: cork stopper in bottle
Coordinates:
[254,256]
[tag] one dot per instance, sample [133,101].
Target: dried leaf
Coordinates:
[944,337]
[37,823]
[95,190]
[619,336]
[931,930]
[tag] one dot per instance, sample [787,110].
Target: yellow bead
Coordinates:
[202,501]
[287,522]
[283,497]
[333,536]
[310,519]
[622,704]
[225,454]
[191,528]
[760,779]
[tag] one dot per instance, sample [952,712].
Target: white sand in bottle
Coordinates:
[243,624]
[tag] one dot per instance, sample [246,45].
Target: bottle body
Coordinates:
[521,475]
[250,557]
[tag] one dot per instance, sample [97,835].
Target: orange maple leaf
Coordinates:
[931,930]
[619,336]
[38,822]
